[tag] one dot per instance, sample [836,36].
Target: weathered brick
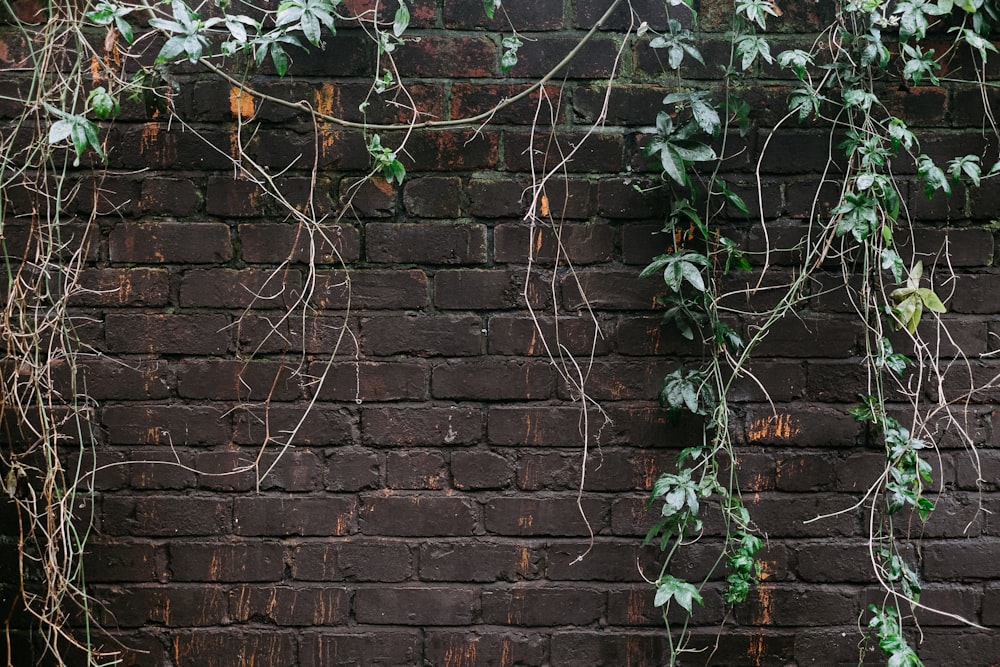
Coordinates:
[497,198]
[140,333]
[530,604]
[218,648]
[125,379]
[169,196]
[286,605]
[433,197]
[242,562]
[244,288]
[438,335]
[426,243]
[271,243]
[550,516]
[173,606]
[351,470]
[465,649]
[293,515]
[423,605]
[488,289]
[416,470]
[353,559]
[231,380]
[318,424]
[166,516]
[170,242]
[576,153]
[384,381]
[518,335]
[439,56]
[371,290]
[417,515]
[389,647]
[125,561]
[472,99]
[123,287]
[577,243]
[479,561]
[493,380]
[480,470]
[165,425]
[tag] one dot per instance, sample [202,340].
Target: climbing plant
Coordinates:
[841,81]
[90,60]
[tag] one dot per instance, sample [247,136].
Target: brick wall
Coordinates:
[427,513]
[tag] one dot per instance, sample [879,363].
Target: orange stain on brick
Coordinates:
[648,472]
[755,651]
[763,615]
[327,100]
[523,561]
[781,427]
[635,606]
[525,521]
[461,656]
[150,136]
[240,102]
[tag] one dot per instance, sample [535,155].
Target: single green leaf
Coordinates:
[402,19]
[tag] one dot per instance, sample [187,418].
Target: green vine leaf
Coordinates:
[685,594]
[490,7]
[402,20]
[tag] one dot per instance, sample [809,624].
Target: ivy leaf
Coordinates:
[932,176]
[685,594]
[402,19]
[490,7]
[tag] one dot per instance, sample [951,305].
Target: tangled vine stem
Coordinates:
[78,86]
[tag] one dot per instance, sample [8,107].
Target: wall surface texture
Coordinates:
[427,511]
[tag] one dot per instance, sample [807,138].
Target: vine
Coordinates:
[839,82]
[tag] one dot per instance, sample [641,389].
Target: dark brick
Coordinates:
[530,604]
[426,243]
[479,470]
[286,605]
[354,559]
[609,290]
[390,647]
[439,335]
[123,287]
[270,243]
[435,56]
[577,243]
[525,15]
[525,336]
[549,516]
[488,289]
[433,197]
[351,470]
[230,198]
[169,196]
[295,515]
[576,153]
[371,289]
[493,380]
[173,606]
[416,606]
[245,288]
[416,470]
[537,57]
[165,425]
[451,150]
[167,334]
[170,242]
[473,99]
[479,561]
[165,516]
[214,648]
[548,426]
[231,380]
[124,561]
[465,649]
[318,424]
[385,381]
[373,198]
[125,379]
[497,198]
[416,515]
[243,562]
